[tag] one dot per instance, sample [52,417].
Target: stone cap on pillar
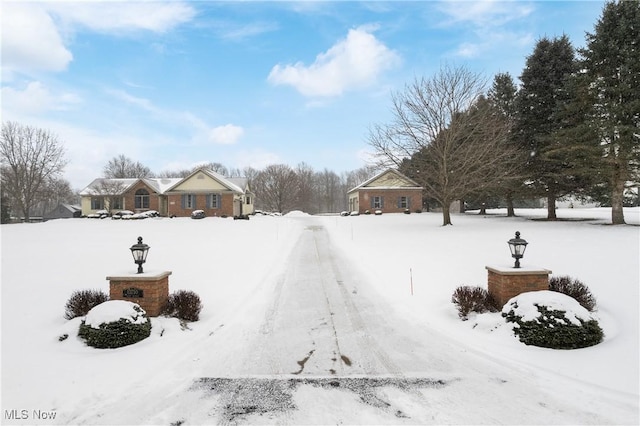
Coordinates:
[523,270]
[145,276]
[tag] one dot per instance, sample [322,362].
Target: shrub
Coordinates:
[473,299]
[552,321]
[82,301]
[183,304]
[115,324]
[574,288]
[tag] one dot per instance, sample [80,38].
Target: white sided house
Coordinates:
[388,192]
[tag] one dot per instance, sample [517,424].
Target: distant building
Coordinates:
[63,211]
[389,192]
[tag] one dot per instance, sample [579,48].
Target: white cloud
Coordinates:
[352,63]
[493,24]
[142,103]
[30,39]
[36,98]
[115,17]
[492,13]
[226,135]
[237,32]
[256,158]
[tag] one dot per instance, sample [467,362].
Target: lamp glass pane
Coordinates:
[138,254]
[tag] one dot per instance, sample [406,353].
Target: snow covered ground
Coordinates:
[318,320]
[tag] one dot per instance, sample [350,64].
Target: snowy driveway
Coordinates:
[327,350]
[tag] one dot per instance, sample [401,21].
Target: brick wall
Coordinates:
[175,205]
[505,285]
[155,291]
[390,199]
[130,200]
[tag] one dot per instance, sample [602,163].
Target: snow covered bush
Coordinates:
[574,288]
[114,324]
[82,301]
[552,320]
[183,304]
[472,299]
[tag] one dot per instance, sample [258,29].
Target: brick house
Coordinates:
[389,192]
[202,190]
[209,191]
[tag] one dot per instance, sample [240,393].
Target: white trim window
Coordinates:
[214,201]
[377,202]
[404,202]
[188,201]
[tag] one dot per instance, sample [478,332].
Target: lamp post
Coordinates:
[139,252]
[517,246]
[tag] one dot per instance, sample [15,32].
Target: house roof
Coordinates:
[61,207]
[100,185]
[69,207]
[226,182]
[408,183]
[103,186]
[240,182]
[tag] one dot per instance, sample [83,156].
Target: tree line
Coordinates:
[277,187]
[570,128]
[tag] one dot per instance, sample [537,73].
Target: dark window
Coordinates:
[142,199]
[188,201]
[117,203]
[377,202]
[403,202]
[97,203]
[213,201]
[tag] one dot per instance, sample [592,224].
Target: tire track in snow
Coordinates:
[338,296]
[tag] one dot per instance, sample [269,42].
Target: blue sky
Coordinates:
[174,84]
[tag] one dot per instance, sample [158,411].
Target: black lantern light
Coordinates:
[517,246]
[139,252]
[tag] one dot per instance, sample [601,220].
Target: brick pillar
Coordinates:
[148,290]
[505,283]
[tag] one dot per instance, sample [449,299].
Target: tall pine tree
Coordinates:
[611,61]
[544,79]
[503,97]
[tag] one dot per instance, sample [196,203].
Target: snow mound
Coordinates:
[113,311]
[297,213]
[524,306]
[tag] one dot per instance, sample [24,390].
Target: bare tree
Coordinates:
[329,192]
[111,190]
[29,158]
[250,173]
[306,188]
[453,138]
[123,167]
[216,167]
[276,188]
[175,173]
[55,191]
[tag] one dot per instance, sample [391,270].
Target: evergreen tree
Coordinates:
[503,96]
[543,90]
[611,61]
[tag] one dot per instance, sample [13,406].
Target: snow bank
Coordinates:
[113,311]
[296,213]
[525,306]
